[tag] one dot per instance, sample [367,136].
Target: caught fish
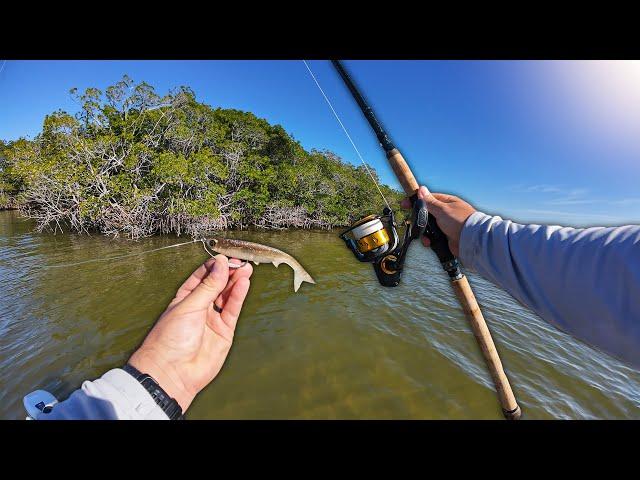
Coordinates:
[257,254]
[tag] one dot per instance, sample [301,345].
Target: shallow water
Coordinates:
[343,348]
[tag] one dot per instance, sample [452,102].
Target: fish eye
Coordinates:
[213,242]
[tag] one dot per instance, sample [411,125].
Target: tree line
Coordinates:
[134,163]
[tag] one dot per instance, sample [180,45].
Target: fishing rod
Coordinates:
[370,241]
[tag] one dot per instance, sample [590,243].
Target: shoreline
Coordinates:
[252,228]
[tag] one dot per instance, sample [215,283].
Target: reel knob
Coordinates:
[387,271]
[388,264]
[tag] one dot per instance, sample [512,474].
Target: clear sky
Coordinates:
[554,142]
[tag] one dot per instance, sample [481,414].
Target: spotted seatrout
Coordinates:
[258,253]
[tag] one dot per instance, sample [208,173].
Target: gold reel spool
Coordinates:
[369,234]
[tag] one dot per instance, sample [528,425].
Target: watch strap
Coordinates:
[168,404]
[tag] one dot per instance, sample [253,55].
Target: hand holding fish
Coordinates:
[188,345]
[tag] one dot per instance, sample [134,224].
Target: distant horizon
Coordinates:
[535,141]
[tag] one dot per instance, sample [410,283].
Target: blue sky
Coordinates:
[554,142]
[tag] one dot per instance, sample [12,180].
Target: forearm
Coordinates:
[114,396]
[584,281]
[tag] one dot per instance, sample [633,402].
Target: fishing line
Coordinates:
[123,256]
[204,244]
[347,133]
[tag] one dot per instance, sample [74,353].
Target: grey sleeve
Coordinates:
[585,281]
[114,396]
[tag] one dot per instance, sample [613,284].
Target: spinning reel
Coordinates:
[375,239]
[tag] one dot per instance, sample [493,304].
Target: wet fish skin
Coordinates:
[258,253]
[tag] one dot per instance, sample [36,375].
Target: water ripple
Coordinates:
[343,348]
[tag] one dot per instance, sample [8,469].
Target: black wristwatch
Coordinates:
[162,399]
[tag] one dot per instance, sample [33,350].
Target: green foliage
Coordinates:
[134,163]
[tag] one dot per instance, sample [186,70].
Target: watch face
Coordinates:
[149,382]
[168,405]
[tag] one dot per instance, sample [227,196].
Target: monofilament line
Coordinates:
[346,133]
[119,256]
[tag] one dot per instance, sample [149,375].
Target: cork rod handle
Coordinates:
[467,300]
[469,305]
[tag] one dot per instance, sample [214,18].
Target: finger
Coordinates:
[237,261]
[211,285]
[434,205]
[196,277]
[194,280]
[234,276]
[445,197]
[223,297]
[221,301]
[245,271]
[221,322]
[423,192]
[233,263]
[209,263]
[235,301]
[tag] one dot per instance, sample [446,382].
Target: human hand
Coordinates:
[450,212]
[189,343]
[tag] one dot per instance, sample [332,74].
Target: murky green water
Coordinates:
[343,348]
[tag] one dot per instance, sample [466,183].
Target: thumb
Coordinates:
[434,205]
[211,285]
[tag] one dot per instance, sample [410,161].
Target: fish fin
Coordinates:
[299,276]
[276,263]
[257,263]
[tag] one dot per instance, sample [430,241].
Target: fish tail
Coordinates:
[300,275]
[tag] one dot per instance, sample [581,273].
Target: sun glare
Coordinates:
[606,94]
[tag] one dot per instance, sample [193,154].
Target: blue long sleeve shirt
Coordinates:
[584,281]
